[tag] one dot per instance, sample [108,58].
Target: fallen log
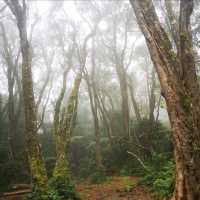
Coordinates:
[15,193]
[21,186]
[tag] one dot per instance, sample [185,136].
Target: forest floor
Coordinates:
[115,188]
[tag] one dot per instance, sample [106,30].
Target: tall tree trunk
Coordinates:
[124,95]
[11,117]
[37,166]
[63,126]
[93,105]
[122,76]
[180,88]
[61,167]
[11,68]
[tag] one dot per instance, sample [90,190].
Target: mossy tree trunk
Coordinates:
[64,121]
[37,166]
[180,88]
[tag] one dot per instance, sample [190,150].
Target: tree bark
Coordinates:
[152,98]
[36,162]
[122,76]
[134,103]
[63,126]
[93,105]
[178,79]
[106,118]
[124,94]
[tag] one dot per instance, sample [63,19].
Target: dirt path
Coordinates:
[118,188]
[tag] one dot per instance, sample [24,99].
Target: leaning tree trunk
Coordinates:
[37,166]
[180,88]
[63,127]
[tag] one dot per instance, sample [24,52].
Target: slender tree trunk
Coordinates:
[108,120]
[12,121]
[11,79]
[135,105]
[124,95]
[152,98]
[93,105]
[104,117]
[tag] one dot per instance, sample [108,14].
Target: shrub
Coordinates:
[99,176]
[60,188]
[160,178]
[64,188]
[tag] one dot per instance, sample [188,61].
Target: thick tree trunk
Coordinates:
[34,149]
[62,165]
[37,166]
[180,88]
[186,146]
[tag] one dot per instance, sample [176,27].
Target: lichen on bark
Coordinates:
[64,120]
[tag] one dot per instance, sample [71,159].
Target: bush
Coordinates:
[64,188]
[60,188]
[99,176]
[37,194]
[160,178]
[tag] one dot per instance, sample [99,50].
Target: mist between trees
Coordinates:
[98,91]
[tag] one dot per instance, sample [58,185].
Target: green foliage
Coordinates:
[159,176]
[64,188]
[128,184]
[114,163]
[37,194]
[98,176]
[60,188]
[153,136]
[82,149]
[124,172]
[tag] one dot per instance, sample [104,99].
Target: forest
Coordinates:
[99,100]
